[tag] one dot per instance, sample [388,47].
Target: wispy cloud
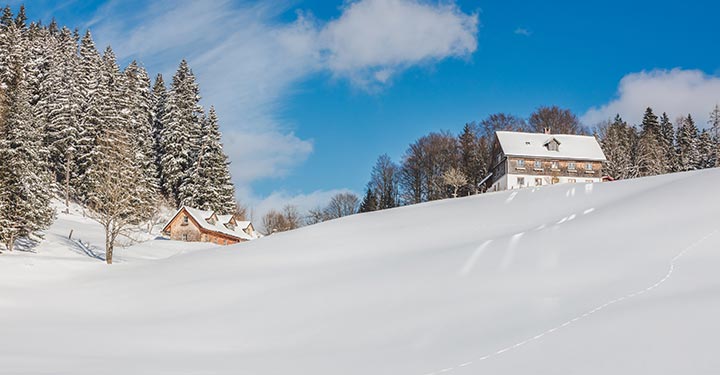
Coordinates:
[677,92]
[249,62]
[522,31]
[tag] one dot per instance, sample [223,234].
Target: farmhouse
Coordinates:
[536,159]
[190,224]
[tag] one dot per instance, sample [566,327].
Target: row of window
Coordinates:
[553,165]
[539,181]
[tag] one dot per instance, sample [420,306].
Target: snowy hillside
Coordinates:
[615,278]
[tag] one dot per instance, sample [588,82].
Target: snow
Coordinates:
[572,147]
[615,278]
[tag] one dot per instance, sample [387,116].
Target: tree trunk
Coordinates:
[10,243]
[109,243]
[67,183]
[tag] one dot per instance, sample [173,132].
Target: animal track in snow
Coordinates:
[588,313]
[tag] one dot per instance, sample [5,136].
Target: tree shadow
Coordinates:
[26,245]
[88,250]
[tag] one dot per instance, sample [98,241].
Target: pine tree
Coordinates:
[667,133]
[369,203]
[181,133]
[687,144]
[159,97]
[140,116]
[714,122]
[209,186]
[472,163]
[91,113]
[707,149]
[618,144]
[651,154]
[24,182]
[7,17]
[21,18]
[60,112]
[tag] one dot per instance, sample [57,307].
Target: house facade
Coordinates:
[193,225]
[536,159]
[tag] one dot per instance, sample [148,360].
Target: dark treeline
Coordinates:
[75,125]
[441,165]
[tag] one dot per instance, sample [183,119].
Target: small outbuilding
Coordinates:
[193,225]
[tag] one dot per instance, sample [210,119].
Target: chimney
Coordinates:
[547,130]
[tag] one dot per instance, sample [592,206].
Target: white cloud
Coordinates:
[677,92]
[249,63]
[376,38]
[522,31]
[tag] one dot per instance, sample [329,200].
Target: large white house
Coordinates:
[536,159]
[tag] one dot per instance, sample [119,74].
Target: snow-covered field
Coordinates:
[615,278]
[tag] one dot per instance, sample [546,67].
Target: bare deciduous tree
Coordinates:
[342,204]
[117,201]
[275,221]
[557,120]
[454,178]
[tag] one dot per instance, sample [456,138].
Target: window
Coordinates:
[538,164]
[555,165]
[185,220]
[538,182]
[590,181]
[571,166]
[552,146]
[521,181]
[185,236]
[572,180]
[588,167]
[520,164]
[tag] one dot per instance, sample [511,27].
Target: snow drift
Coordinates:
[614,278]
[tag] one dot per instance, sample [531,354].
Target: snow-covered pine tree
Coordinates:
[667,133]
[714,123]
[687,144]
[181,133]
[651,153]
[707,148]
[617,144]
[24,181]
[140,114]
[91,115]
[60,110]
[21,18]
[159,97]
[209,186]
[7,17]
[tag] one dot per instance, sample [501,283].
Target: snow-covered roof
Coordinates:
[572,147]
[202,216]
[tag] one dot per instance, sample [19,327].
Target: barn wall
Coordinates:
[178,229]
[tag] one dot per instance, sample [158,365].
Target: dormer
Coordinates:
[213,219]
[552,144]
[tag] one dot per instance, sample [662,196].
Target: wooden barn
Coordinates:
[193,225]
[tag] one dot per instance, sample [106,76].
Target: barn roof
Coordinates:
[572,147]
[201,216]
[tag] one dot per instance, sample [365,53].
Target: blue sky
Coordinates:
[311,92]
